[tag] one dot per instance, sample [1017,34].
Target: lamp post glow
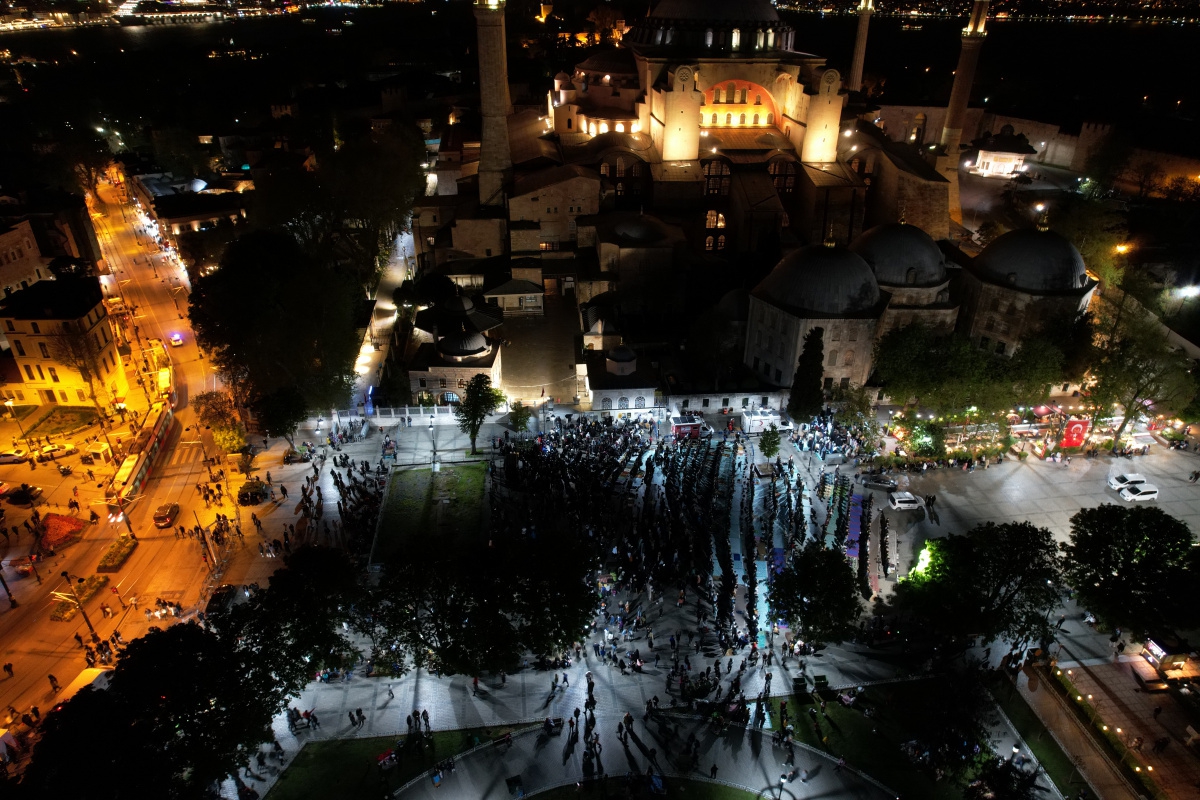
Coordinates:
[12,410]
[79,603]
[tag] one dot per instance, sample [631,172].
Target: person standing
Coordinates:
[712,773]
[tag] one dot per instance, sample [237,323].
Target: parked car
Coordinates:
[13,457]
[1119,482]
[23,495]
[879,482]
[164,515]
[904,501]
[1139,491]
[56,450]
[223,598]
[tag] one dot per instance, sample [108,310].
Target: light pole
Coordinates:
[203,450]
[12,410]
[433,438]
[67,577]
[12,601]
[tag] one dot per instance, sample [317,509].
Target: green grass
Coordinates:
[23,412]
[63,419]
[412,505]
[872,744]
[347,769]
[1057,764]
[615,787]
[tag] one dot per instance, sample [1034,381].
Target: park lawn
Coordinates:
[63,419]
[872,744]
[676,787]
[347,769]
[1057,764]
[412,506]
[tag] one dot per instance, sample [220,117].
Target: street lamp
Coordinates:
[79,603]
[433,438]
[12,410]
[12,601]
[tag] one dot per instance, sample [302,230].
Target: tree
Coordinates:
[277,321]
[768,443]
[1000,779]
[1148,176]
[854,409]
[1138,367]
[997,580]
[478,401]
[519,415]
[281,412]
[216,411]
[816,594]
[1095,228]
[1108,161]
[1133,566]
[807,398]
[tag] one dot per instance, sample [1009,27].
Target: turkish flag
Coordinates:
[1076,432]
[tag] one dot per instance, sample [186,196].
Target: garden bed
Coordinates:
[63,419]
[65,610]
[59,531]
[117,554]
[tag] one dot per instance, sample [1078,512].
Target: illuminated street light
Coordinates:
[79,603]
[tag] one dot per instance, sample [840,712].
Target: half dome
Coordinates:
[828,281]
[1033,260]
[463,345]
[901,255]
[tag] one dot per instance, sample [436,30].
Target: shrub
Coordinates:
[117,554]
[65,610]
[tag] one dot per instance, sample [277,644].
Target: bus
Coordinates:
[143,451]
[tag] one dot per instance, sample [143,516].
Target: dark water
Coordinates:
[1064,72]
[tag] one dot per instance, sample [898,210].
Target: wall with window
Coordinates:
[21,262]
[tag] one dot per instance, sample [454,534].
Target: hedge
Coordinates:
[117,554]
[65,610]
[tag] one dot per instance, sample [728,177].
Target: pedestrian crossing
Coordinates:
[183,455]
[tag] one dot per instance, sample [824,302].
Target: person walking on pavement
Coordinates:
[8,668]
[53,682]
[475,686]
[79,638]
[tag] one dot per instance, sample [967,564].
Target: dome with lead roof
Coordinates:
[829,281]
[901,255]
[1033,260]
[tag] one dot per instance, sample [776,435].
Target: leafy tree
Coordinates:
[1095,228]
[1000,779]
[277,321]
[997,580]
[816,594]
[854,408]
[768,443]
[1108,161]
[1133,566]
[956,729]
[807,398]
[927,438]
[281,412]
[1138,367]
[1148,176]
[519,415]
[216,410]
[479,400]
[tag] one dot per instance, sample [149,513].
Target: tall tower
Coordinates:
[865,9]
[964,77]
[495,156]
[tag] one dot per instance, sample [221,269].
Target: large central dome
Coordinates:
[716,10]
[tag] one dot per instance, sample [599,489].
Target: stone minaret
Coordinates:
[964,77]
[865,9]
[495,157]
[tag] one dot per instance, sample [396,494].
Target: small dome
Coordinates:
[641,229]
[622,353]
[901,255]
[735,305]
[716,10]
[563,77]
[197,185]
[1033,260]
[459,303]
[832,281]
[615,61]
[463,344]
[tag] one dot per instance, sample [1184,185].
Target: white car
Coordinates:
[1139,491]
[176,340]
[13,457]
[904,501]
[1119,482]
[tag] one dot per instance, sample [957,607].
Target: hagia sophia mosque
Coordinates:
[705,169]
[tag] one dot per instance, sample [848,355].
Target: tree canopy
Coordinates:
[1133,566]
[768,443]
[277,321]
[816,594]
[478,400]
[997,580]
[807,398]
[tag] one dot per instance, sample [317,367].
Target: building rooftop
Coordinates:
[65,298]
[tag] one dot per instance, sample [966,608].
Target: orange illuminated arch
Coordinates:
[724,101]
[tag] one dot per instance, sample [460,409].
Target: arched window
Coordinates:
[758,99]
[756,119]
[742,120]
[620,166]
[708,38]
[848,359]
[833,354]
[710,219]
[770,118]
[721,242]
[717,95]
[736,39]
[910,277]
[758,40]
[658,36]
[604,170]
[729,119]
[623,402]
[636,169]
[670,35]
[731,94]
[720,220]
[639,402]
[620,127]
[606,404]
[716,177]
[714,119]
[620,188]
[783,176]
[708,243]
[604,127]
